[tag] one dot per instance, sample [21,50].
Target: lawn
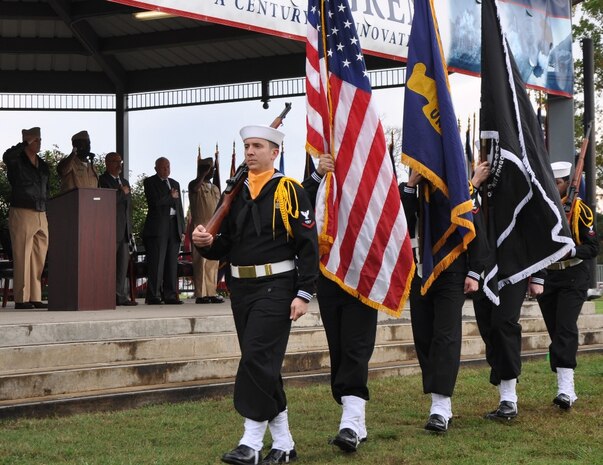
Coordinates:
[199,432]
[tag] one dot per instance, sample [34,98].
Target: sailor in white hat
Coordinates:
[561,171]
[270,236]
[565,288]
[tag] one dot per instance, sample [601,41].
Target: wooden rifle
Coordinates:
[279,119]
[235,184]
[574,188]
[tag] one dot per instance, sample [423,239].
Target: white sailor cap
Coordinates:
[262,132]
[561,169]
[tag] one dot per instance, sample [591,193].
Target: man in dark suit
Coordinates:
[112,179]
[162,234]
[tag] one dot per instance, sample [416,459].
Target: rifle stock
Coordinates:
[279,119]
[572,193]
[235,184]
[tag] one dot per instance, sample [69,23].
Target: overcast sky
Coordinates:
[177,132]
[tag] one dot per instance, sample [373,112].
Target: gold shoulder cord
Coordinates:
[285,197]
[582,214]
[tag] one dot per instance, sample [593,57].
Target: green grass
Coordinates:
[599,306]
[200,432]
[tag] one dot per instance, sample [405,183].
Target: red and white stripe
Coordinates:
[358,207]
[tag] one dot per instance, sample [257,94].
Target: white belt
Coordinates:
[564,264]
[258,271]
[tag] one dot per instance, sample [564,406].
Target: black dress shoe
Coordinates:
[506,410]
[216,299]
[173,302]
[347,440]
[152,301]
[279,456]
[24,306]
[202,300]
[38,304]
[242,455]
[128,303]
[437,423]
[563,401]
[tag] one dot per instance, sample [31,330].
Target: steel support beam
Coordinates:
[84,33]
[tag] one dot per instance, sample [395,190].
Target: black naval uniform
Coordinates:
[262,306]
[565,288]
[436,317]
[350,327]
[500,329]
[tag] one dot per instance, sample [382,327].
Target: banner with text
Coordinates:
[538,31]
[383,25]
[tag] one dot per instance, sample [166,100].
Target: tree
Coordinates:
[393,134]
[589,25]
[52,157]
[139,207]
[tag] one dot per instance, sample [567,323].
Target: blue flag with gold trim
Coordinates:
[432,146]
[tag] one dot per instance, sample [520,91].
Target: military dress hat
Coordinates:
[262,132]
[561,169]
[82,135]
[205,162]
[35,132]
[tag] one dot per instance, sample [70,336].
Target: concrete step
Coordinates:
[48,356]
[132,397]
[102,326]
[104,330]
[80,379]
[97,353]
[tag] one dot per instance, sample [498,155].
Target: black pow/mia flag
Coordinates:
[527,229]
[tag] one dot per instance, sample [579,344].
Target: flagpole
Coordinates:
[233,165]
[473,140]
[329,97]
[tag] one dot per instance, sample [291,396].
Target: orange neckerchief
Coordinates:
[257,181]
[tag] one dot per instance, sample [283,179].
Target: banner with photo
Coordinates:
[538,31]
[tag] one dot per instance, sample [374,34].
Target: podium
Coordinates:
[81,250]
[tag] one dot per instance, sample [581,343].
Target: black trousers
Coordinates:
[561,304]
[436,320]
[351,328]
[261,308]
[121,270]
[162,263]
[501,331]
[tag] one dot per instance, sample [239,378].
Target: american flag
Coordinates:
[365,245]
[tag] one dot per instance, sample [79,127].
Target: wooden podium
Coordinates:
[81,252]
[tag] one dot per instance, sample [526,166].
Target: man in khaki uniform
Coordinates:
[77,170]
[28,176]
[203,197]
